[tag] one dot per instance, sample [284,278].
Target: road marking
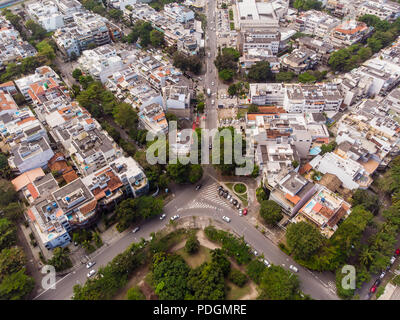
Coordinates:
[52,286]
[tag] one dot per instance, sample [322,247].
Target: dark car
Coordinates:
[220,188]
[226,194]
[198,186]
[221,192]
[235,202]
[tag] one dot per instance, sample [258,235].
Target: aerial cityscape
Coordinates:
[199,150]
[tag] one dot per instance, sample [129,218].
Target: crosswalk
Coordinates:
[208,199]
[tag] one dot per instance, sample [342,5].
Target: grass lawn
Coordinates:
[241,113]
[242,197]
[236,292]
[195,260]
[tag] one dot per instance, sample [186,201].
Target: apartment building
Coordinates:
[351,173]
[26,156]
[324,210]
[12,46]
[263,40]
[260,14]
[153,119]
[176,97]
[267,94]
[100,62]
[178,12]
[252,56]
[315,22]
[384,10]
[312,98]
[349,32]
[299,60]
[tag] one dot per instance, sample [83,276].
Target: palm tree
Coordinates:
[366,256]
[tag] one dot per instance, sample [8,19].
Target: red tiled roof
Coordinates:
[31,215]
[88,207]
[32,190]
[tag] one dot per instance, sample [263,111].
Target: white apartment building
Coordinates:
[312,98]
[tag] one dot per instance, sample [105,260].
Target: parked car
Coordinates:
[231,200]
[240,212]
[238,206]
[235,202]
[136,230]
[244,211]
[175,217]
[293,268]
[397,252]
[91,273]
[266,263]
[221,192]
[382,275]
[392,259]
[90,264]
[225,218]
[198,186]
[226,194]
[210,147]
[220,188]
[255,253]
[375,286]
[229,196]
[162,217]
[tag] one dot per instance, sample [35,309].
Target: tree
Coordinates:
[261,195]
[206,282]
[8,234]
[226,75]
[237,277]
[192,245]
[369,201]
[219,258]
[156,38]
[232,89]
[125,116]
[260,72]
[200,107]
[11,260]
[255,270]
[170,273]
[76,73]
[14,211]
[306,77]
[135,293]
[284,76]
[60,259]
[195,173]
[16,286]
[7,194]
[270,211]
[278,283]
[303,239]
[46,49]
[38,32]
[253,108]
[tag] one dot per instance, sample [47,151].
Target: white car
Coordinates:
[162,217]
[267,264]
[382,275]
[240,212]
[91,273]
[90,264]
[225,218]
[136,230]
[293,268]
[212,83]
[392,259]
[255,253]
[175,217]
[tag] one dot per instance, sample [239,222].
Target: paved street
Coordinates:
[189,202]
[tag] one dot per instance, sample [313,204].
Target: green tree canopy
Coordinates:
[270,211]
[303,239]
